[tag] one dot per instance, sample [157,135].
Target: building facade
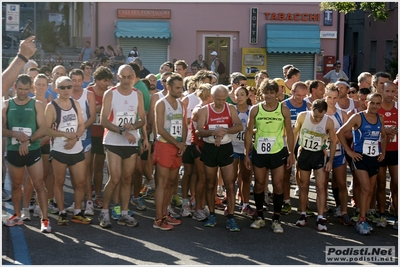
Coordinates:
[369,44]
[288,33]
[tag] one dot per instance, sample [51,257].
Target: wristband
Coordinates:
[23,58]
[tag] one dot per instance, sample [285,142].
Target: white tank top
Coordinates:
[83,102]
[338,122]
[172,121]
[238,138]
[351,106]
[66,121]
[313,136]
[193,101]
[124,110]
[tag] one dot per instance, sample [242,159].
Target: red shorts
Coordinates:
[166,155]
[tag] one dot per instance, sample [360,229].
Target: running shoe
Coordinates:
[116,213]
[25,214]
[220,191]
[45,226]
[218,204]
[320,225]
[211,221]
[371,216]
[185,212]
[302,221]
[338,212]
[71,208]
[206,211]
[362,228]
[286,209]
[162,225]
[150,193]
[199,215]
[13,220]
[62,219]
[104,219]
[80,218]
[309,212]
[171,220]
[138,202]
[176,200]
[382,222]
[127,220]
[89,211]
[143,191]
[98,202]
[258,223]
[32,204]
[172,213]
[276,227]
[232,225]
[249,211]
[345,220]
[37,212]
[52,207]
[5,196]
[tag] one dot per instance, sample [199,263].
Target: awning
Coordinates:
[292,38]
[143,29]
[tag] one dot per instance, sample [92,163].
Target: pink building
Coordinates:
[291,33]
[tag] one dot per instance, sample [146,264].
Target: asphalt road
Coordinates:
[188,244]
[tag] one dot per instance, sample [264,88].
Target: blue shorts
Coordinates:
[239,156]
[338,161]
[87,145]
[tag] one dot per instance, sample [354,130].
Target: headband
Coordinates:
[341,82]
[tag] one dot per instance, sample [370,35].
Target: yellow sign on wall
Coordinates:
[253,60]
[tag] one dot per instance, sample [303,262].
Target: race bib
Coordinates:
[69,127]
[97,121]
[238,137]
[124,117]
[264,145]
[214,127]
[337,148]
[370,148]
[176,128]
[311,142]
[27,131]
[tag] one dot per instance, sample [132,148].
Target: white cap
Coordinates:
[214,53]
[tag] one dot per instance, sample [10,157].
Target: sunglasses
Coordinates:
[352,92]
[63,87]
[242,85]
[164,80]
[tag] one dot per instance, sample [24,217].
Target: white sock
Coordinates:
[76,211]
[124,212]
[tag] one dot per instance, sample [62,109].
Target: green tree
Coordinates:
[378,9]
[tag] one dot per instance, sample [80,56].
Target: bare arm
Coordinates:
[248,135]
[353,122]
[297,127]
[330,129]
[27,48]
[92,109]
[289,135]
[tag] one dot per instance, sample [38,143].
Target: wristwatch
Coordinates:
[121,129]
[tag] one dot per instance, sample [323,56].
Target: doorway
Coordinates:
[222,46]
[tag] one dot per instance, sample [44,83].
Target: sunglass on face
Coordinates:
[164,80]
[352,92]
[242,85]
[63,87]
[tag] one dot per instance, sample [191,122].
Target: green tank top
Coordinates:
[270,128]
[21,118]
[229,100]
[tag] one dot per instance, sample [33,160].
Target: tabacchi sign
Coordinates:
[292,17]
[144,13]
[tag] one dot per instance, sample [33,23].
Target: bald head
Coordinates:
[124,68]
[219,89]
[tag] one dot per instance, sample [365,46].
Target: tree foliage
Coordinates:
[378,9]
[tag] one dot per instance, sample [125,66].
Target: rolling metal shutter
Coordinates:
[304,62]
[153,51]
